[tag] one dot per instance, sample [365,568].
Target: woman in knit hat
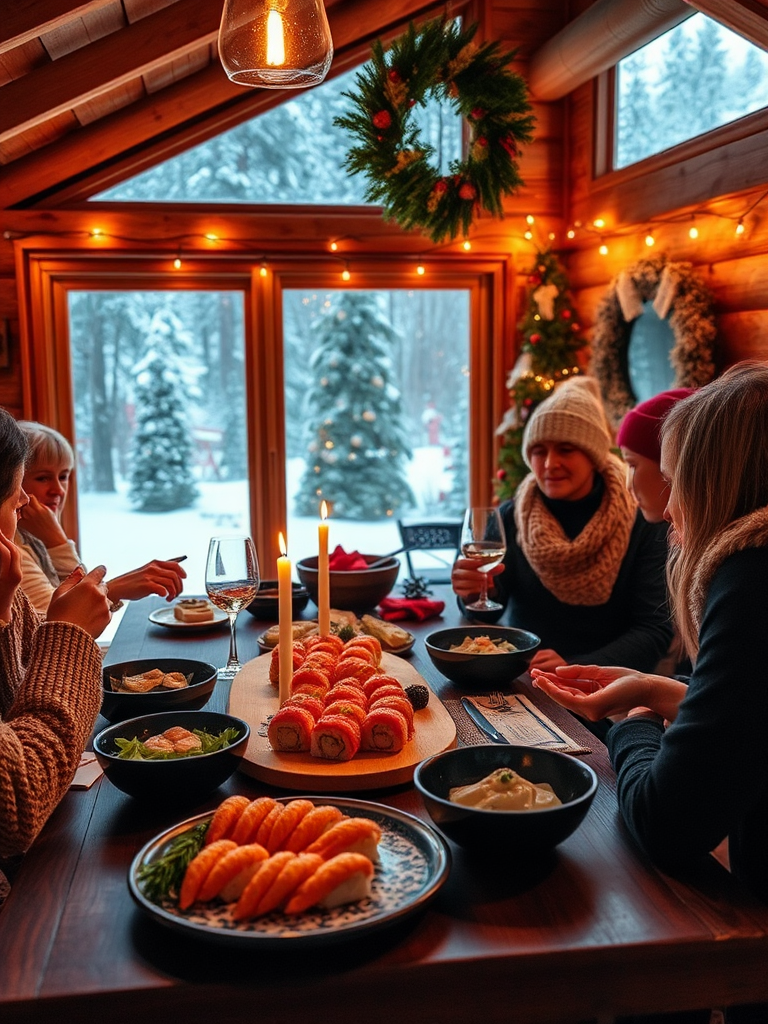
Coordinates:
[50,670]
[583,570]
[639,438]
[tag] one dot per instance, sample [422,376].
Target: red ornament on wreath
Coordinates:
[467,191]
[566,314]
[535,339]
[382,119]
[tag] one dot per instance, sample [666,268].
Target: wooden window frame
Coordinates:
[48,272]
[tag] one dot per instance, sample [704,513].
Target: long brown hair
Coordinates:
[716,442]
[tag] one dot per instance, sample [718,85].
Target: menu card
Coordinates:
[520,721]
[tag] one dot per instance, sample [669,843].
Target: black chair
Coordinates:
[431,538]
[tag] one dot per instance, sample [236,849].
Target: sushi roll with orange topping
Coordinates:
[371,685]
[313,704]
[384,731]
[331,643]
[364,653]
[399,703]
[387,690]
[299,654]
[335,738]
[290,729]
[350,835]
[343,879]
[346,691]
[313,678]
[353,668]
[347,707]
[369,642]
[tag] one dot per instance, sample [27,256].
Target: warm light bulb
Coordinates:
[693,232]
[603,250]
[599,223]
[95,232]
[420,270]
[529,219]
[740,228]
[211,237]
[528,235]
[275,44]
[551,236]
[177,263]
[570,233]
[334,246]
[649,239]
[263,270]
[466,246]
[345,274]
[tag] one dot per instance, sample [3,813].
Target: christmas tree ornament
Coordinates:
[439,60]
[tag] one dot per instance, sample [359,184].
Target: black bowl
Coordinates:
[265,604]
[179,779]
[481,670]
[516,834]
[356,590]
[116,707]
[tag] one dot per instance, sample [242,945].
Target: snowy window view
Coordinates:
[291,154]
[376,410]
[159,394]
[690,80]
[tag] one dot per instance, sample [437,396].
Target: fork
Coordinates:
[499,702]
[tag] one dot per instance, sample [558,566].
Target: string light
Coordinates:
[528,235]
[420,269]
[693,231]
[599,223]
[177,263]
[649,239]
[740,227]
[530,219]
[263,270]
[95,232]
[466,245]
[345,274]
[211,236]
[334,246]
[603,250]
[570,233]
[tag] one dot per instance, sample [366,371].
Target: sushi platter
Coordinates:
[254,699]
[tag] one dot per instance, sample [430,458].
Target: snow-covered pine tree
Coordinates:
[552,339]
[161,464]
[355,439]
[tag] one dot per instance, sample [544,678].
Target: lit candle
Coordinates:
[285,619]
[323,578]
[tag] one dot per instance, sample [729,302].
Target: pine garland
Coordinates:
[551,341]
[439,60]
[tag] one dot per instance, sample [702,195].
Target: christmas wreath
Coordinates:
[676,293]
[439,60]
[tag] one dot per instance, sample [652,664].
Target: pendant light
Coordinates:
[275,44]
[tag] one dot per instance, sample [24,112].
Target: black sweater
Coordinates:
[684,790]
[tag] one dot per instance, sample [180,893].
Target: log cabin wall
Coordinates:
[716,179]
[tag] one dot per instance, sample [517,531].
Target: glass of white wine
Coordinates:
[483,541]
[231,581]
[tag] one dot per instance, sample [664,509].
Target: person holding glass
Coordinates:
[583,569]
[48,555]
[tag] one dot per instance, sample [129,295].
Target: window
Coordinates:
[291,154]
[689,81]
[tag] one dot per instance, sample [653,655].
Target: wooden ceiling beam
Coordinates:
[24,20]
[747,17]
[98,68]
[182,115]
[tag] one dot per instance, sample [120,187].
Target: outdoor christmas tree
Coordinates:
[161,473]
[551,341]
[355,439]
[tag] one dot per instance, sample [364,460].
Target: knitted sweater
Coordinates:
[44,568]
[50,695]
[631,628]
[683,790]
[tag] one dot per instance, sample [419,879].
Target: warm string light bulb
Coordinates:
[177,263]
[466,245]
[649,239]
[603,250]
[421,269]
[345,274]
[263,270]
[334,246]
[740,227]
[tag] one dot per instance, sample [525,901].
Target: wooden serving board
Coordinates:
[254,699]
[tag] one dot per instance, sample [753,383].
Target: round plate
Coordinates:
[266,648]
[414,863]
[165,617]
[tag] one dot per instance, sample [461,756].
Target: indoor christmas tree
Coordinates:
[355,439]
[161,473]
[551,340]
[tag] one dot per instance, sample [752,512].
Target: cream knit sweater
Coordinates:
[50,695]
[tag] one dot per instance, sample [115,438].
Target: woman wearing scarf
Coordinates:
[583,570]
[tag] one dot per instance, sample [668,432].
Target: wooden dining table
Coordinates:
[590,932]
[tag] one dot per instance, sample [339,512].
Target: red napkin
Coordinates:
[341,561]
[410,608]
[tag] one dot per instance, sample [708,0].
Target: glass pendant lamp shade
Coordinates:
[275,44]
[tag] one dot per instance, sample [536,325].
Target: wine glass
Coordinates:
[232,582]
[483,541]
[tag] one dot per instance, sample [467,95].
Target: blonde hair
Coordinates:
[46,446]
[716,442]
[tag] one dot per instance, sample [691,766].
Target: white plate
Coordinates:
[165,617]
[414,864]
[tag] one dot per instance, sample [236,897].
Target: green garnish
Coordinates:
[345,632]
[135,750]
[160,877]
[506,777]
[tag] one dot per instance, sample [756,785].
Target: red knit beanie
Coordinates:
[640,430]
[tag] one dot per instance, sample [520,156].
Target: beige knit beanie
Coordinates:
[573,413]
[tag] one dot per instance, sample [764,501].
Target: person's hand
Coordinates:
[466,579]
[156,577]
[82,600]
[38,520]
[596,692]
[546,660]
[10,575]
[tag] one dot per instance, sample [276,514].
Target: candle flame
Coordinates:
[323,510]
[275,39]
[281,544]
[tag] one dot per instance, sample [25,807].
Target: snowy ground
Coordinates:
[122,539]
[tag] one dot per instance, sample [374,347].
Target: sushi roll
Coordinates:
[399,703]
[347,692]
[311,677]
[353,668]
[343,879]
[331,643]
[290,729]
[335,738]
[371,685]
[347,707]
[299,654]
[384,731]
[365,653]
[313,704]
[369,642]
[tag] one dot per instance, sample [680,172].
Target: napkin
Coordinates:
[343,561]
[410,608]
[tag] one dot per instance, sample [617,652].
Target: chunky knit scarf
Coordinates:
[751,531]
[582,570]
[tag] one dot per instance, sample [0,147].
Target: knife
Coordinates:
[482,722]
